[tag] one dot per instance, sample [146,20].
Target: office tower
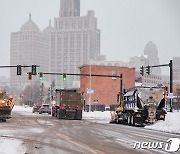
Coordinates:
[152,53]
[73,42]
[28,46]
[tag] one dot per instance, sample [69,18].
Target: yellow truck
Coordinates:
[6,105]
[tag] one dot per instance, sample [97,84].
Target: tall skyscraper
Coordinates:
[73,42]
[28,46]
[152,53]
[69,8]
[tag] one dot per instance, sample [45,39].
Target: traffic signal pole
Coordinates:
[99,75]
[171,83]
[90,75]
[19,68]
[121,84]
[171,78]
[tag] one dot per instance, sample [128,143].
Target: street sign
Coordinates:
[90,90]
[170,95]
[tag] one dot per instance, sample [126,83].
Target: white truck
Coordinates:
[140,106]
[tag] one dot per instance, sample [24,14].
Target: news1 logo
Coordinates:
[171,145]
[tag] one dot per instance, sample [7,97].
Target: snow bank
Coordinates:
[97,116]
[171,123]
[23,109]
[8,146]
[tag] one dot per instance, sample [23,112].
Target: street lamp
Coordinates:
[90,87]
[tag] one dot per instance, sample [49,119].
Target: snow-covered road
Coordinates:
[171,124]
[28,132]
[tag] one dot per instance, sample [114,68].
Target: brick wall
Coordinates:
[105,88]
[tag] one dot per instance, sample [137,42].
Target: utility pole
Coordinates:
[171,83]
[90,88]
[121,84]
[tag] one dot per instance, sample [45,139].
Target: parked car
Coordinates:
[45,108]
[36,108]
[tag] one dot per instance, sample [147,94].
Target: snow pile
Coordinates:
[171,123]
[98,116]
[23,109]
[14,146]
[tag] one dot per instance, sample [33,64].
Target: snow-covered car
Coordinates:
[45,108]
[36,108]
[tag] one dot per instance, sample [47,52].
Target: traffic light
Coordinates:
[166,89]
[33,69]
[64,76]
[40,75]
[29,75]
[148,70]
[142,70]
[18,69]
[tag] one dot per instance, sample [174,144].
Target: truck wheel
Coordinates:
[3,120]
[118,121]
[132,120]
[129,120]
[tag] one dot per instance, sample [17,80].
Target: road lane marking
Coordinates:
[81,145]
[123,140]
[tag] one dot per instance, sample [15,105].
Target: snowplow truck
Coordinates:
[6,105]
[68,104]
[140,106]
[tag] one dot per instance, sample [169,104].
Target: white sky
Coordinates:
[126,25]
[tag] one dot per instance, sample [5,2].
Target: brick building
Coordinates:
[105,88]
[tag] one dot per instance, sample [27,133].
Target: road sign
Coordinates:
[170,95]
[90,90]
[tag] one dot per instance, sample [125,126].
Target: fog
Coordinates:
[126,25]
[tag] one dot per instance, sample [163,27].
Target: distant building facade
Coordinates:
[4,82]
[101,60]
[146,80]
[151,80]
[105,88]
[138,61]
[152,56]
[28,46]
[73,42]
[176,70]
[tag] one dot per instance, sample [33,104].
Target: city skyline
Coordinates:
[70,43]
[74,40]
[126,28]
